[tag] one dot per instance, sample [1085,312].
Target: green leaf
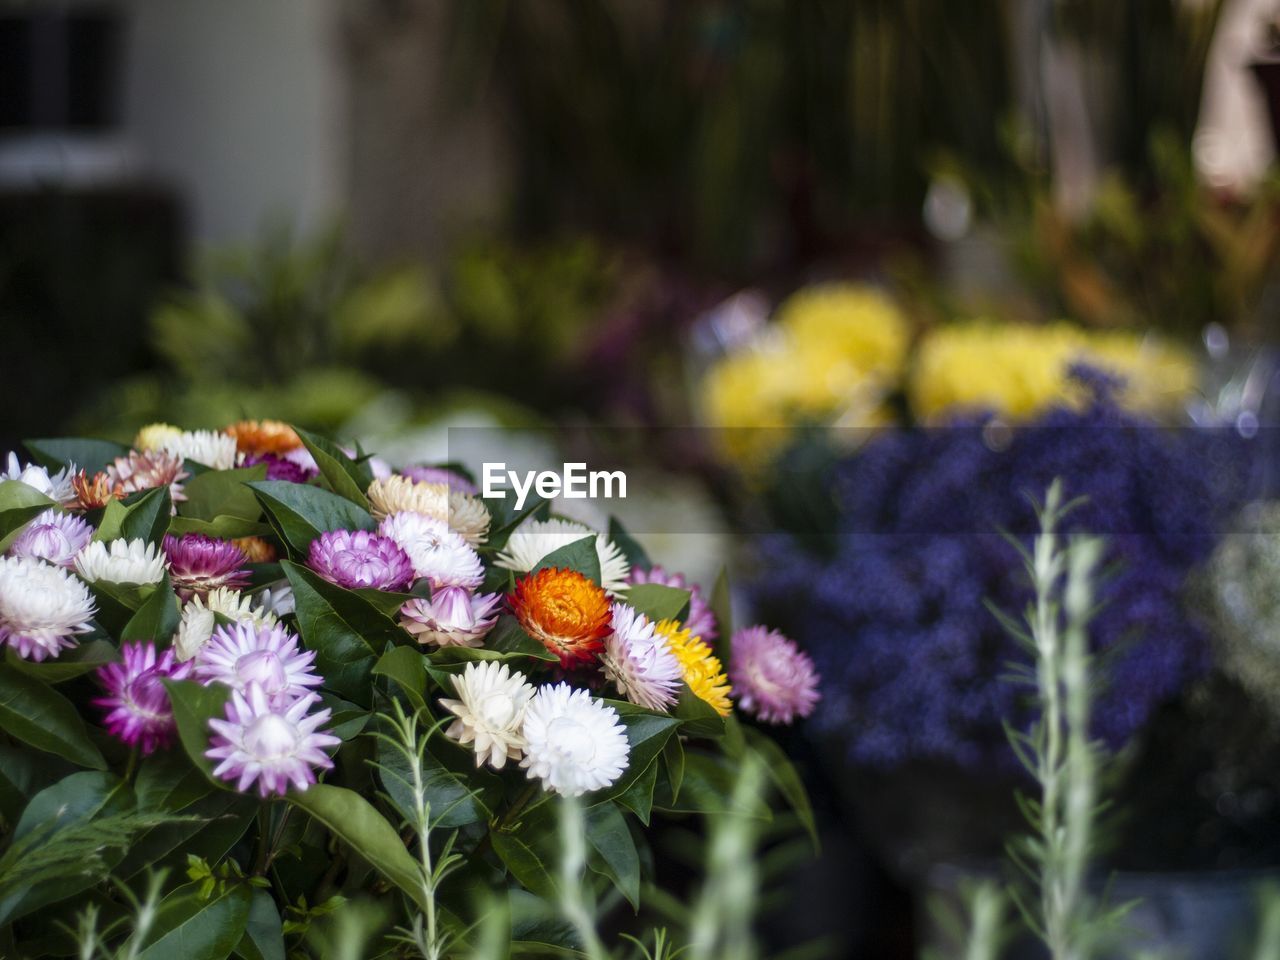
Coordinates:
[699,718]
[117,603]
[385,602]
[346,720]
[708,788]
[79,660]
[456,797]
[506,641]
[638,798]
[631,549]
[610,837]
[658,602]
[19,504]
[194,928]
[784,776]
[299,512]
[193,706]
[524,864]
[263,934]
[219,493]
[580,555]
[91,456]
[673,762]
[157,618]
[407,668]
[345,477]
[40,716]
[145,517]
[647,733]
[721,604]
[220,528]
[354,820]
[344,630]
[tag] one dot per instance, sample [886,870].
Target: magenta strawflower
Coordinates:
[420,473]
[771,677]
[52,536]
[281,467]
[198,564]
[247,652]
[451,617]
[271,745]
[701,621]
[358,558]
[137,704]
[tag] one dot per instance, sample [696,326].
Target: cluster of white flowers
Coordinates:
[564,737]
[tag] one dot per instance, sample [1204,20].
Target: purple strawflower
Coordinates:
[198,564]
[137,704]
[421,473]
[282,468]
[53,536]
[452,617]
[358,558]
[771,678]
[245,653]
[273,745]
[701,621]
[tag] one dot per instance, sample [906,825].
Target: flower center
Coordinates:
[265,667]
[271,737]
[497,710]
[573,739]
[146,695]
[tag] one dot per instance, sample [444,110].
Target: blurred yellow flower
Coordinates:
[1019,370]
[154,436]
[832,355]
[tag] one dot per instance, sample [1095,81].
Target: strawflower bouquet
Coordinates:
[275,667]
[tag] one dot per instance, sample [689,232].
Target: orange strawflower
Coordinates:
[256,550]
[264,436]
[564,611]
[94,492]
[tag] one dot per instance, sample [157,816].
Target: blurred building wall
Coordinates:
[238,103]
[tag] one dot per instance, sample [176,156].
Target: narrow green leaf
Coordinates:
[506,641]
[79,660]
[144,517]
[638,798]
[647,733]
[221,527]
[610,837]
[699,717]
[38,715]
[193,928]
[299,512]
[263,933]
[353,819]
[407,668]
[784,776]
[157,618]
[721,604]
[524,864]
[344,476]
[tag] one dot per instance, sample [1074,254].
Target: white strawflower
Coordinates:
[41,607]
[121,561]
[490,711]
[199,618]
[573,743]
[640,661]
[214,449]
[469,516]
[277,601]
[397,494]
[534,539]
[437,553]
[56,487]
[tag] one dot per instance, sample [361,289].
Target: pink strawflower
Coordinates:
[358,558]
[452,617]
[640,661]
[52,536]
[137,704]
[771,677]
[198,564]
[274,746]
[701,621]
[420,473]
[281,467]
[146,470]
[248,652]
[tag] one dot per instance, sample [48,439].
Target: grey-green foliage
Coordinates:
[1241,592]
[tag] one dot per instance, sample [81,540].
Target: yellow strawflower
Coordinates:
[154,436]
[702,669]
[1019,370]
